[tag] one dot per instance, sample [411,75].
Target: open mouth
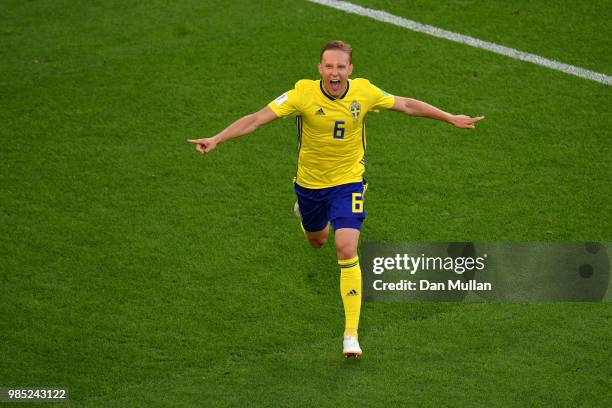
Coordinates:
[335,85]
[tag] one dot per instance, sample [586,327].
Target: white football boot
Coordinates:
[351,347]
[296,211]
[298,215]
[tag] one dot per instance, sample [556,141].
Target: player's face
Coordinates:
[335,68]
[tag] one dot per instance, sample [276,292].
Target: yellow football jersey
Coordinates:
[331,131]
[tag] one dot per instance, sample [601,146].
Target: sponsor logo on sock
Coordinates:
[353,292]
[320,112]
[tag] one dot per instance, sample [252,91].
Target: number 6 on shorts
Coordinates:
[357,202]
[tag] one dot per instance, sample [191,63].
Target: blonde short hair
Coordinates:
[338,45]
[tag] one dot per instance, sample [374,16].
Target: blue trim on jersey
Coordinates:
[299,131]
[325,93]
[348,85]
[298,122]
[363,141]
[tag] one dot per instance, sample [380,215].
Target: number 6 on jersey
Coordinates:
[338,130]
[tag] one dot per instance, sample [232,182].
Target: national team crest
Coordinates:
[355,110]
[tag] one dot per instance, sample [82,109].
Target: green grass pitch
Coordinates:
[139,274]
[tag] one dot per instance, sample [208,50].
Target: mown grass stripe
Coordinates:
[465,39]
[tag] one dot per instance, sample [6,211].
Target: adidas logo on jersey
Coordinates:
[320,112]
[353,292]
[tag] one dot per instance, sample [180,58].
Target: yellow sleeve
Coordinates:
[287,104]
[380,99]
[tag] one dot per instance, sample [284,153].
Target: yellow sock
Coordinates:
[350,290]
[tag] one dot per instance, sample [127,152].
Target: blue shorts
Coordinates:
[342,205]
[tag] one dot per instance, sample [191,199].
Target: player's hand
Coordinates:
[205,145]
[464,122]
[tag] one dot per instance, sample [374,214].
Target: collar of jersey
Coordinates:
[348,85]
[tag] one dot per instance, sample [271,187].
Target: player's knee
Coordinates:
[317,239]
[346,250]
[317,242]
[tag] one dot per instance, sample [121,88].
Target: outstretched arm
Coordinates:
[413,107]
[241,127]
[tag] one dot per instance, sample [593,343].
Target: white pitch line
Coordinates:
[464,39]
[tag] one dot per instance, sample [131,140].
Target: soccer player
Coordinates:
[332,142]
